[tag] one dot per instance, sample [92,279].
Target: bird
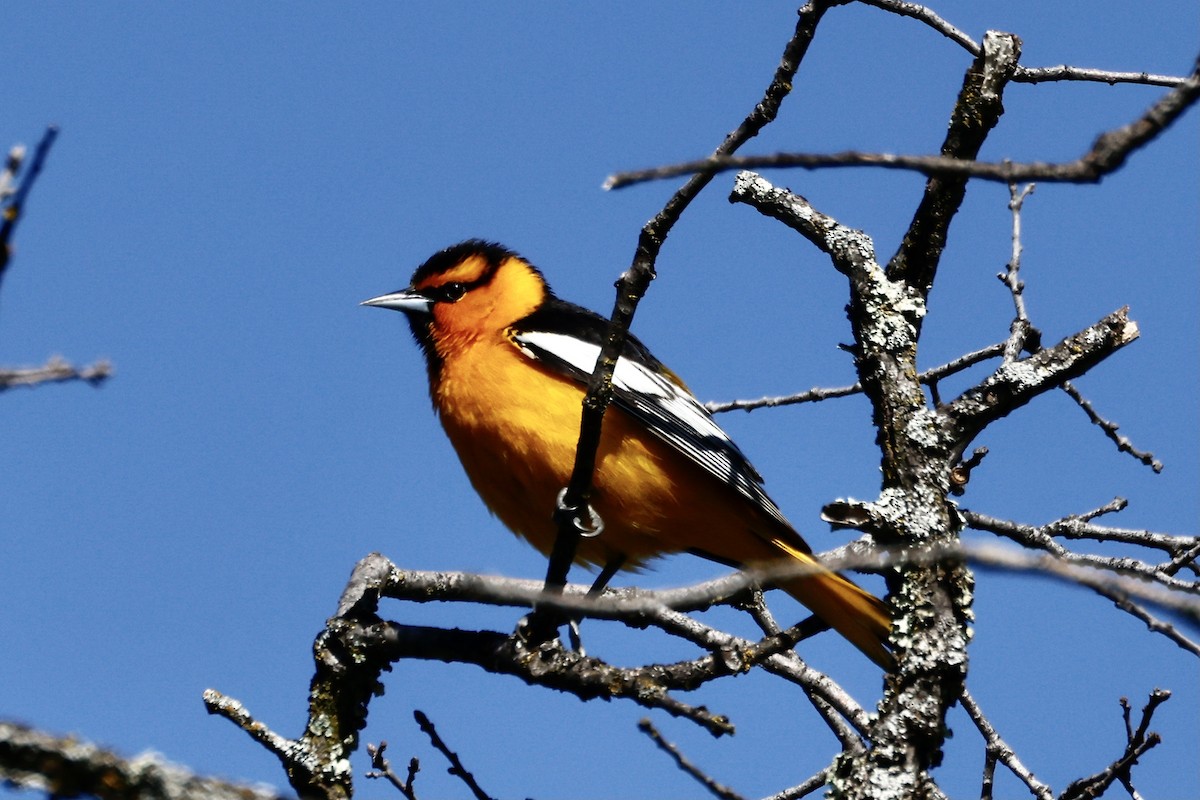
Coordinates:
[508,362]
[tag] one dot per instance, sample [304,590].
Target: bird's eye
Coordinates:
[451,292]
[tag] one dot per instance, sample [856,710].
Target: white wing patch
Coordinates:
[668,409]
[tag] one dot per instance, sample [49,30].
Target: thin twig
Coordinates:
[15,205]
[456,766]
[1106,155]
[383,769]
[681,761]
[999,750]
[1137,744]
[1020,329]
[56,370]
[803,789]
[930,377]
[12,165]
[1039,539]
[1023,74]
[1111,429]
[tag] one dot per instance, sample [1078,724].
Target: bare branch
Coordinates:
[681,761]
[383,769]
[929,377]
[15,204]
[56,370]
[553,666]
[999,750]
[1021,328]
[636,280]
[67,767]
[1111,429]
[456,766]
[1015,384]
[1041,539]
[1107,154]
[1023,74]
[12,166]
[976,113]
[930,18]
[1062,72]
[809,786]
[1138,744]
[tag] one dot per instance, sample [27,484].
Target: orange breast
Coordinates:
[515,426]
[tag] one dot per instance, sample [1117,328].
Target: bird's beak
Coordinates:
[406,300]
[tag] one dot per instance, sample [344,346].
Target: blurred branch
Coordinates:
[66,767]
[14,204]
[56,370]
[1043,539]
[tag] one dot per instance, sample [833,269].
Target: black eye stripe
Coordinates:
[453,291]
[447,292]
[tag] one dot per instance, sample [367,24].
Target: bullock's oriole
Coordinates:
[507,363]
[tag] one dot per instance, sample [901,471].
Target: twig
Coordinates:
[930,18]
[56,370]
[1020,329]
[12,165]
[1111,429]
[15,205]
[756,607]
[456,766]
[1137,744]
[383,769]
[803,789]
[1040,539]
[999,750]
[1106,155]
[1023,74]
[929,377]
[681,761]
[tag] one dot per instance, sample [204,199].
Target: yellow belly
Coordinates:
[515,428]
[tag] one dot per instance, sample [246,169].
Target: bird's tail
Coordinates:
[853,612]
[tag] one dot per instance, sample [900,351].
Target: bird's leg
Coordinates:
[611,568]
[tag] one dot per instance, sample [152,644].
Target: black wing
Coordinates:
[567,338]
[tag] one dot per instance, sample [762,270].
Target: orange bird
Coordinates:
[508,363]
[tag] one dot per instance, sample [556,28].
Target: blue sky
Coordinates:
[231,181]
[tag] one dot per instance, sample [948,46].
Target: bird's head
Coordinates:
[472,290]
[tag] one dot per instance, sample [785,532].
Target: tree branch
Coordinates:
[16,200]
[1107,154]
[707,781]
[56,370]
[633,284]
[67,767]
[1015,384]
